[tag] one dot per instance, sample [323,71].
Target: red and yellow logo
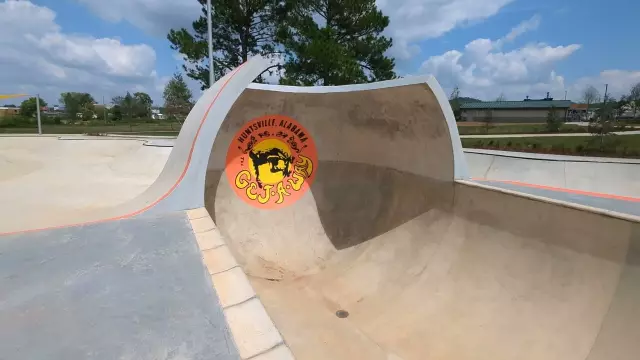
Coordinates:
[271,161]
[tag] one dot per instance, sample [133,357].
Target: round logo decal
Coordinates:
[271,161]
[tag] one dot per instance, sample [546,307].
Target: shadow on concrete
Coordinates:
[358,202]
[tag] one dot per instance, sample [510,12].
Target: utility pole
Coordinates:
[565,94]
[606,89]
[104,110]
[212,76]
[38,107]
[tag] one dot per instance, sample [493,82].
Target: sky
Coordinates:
[517,48]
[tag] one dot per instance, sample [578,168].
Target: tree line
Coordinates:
[82,106]
[608,107]
[316,42]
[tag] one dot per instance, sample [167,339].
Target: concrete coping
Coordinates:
[252,329]
[605,212]
[551,157]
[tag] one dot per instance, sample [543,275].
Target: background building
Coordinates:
[9,111]
[526,111]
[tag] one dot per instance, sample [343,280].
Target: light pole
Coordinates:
[38,108]
[212,76]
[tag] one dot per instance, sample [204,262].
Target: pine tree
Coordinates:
[177,97]
[334,42]
[240,28]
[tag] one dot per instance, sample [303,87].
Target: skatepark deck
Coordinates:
[363,237]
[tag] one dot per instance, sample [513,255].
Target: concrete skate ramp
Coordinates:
[427,264]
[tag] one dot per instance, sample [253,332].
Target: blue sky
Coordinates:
[487,48]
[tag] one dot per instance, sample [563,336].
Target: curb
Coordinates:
[253,331]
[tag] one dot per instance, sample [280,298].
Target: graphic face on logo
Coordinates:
[271,161]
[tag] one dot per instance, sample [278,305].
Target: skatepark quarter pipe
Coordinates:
[351,212]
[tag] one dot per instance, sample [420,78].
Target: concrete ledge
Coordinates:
[232,287]
[253,331]
[209,240]
[202,224]
[552,157]
[198,213]
[281,352]
[252,328]
[218,260]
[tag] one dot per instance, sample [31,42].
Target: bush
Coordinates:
[579,148]
[16,121]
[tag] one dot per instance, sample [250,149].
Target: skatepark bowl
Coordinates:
[360,236]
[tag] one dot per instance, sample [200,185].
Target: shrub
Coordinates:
[509,143]
[579,148]
[490,143]
[557,148]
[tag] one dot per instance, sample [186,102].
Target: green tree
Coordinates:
[142,104]
[454,101]
[116,113]
[127,105]
[177,97]
[345,46]
[75,102]
[29,107]
[240,29]
[553,123]
[602,126]
[634,99]
[620,106]
[590,95]
[487,120]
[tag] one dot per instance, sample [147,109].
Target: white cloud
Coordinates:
[156,17]
[484,71]
[416,20]
[523,27]
[620,83]
[37,57]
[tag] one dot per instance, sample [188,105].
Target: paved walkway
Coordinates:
[635,132]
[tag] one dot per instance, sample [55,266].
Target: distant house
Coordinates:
[157,115]
[526,111]
[9,111]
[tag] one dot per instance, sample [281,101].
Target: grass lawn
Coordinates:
[142,128]
[614,146]
[495,129]
[502,128]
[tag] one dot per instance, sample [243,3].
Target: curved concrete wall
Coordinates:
[426,264]
[369,138]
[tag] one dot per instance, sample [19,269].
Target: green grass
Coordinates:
[517,129]
[501,129]
[614,146]
[159,128]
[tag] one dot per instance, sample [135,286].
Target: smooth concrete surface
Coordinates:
[605,176]
[426,267]
[129,289]
[46,181]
